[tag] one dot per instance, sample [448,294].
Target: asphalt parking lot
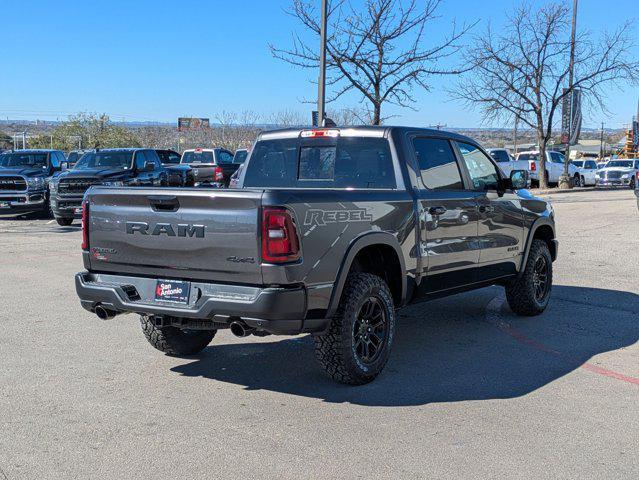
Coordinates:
[471,391]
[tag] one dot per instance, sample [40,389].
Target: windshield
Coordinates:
[33,160]
[198,157]
[73,157]
[620,163]
[113,160]
[240,156]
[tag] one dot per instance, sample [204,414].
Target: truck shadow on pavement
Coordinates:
[465,347]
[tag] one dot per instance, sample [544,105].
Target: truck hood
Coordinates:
[97,173]
[27,172]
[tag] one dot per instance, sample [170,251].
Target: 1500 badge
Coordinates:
[322,217]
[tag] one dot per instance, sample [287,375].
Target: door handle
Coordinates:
[485,209]
[437,210]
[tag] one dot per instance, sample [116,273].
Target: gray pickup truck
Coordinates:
[329,232]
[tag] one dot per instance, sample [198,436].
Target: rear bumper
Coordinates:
[280,311]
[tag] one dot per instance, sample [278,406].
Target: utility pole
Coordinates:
[601,149]
[571,71]
[321,88]
[515,139]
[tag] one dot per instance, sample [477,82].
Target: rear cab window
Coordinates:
[341,162]
[198,157]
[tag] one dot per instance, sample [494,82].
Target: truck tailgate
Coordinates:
[176,233]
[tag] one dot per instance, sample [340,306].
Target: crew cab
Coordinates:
[212,167]
[179,174]
[554,166]
[331,231]
[116,167]
[24,179]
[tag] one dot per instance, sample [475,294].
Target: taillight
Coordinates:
[85,225]
[219,174]
[533,166]
[279,236]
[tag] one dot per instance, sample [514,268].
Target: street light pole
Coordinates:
[321,88]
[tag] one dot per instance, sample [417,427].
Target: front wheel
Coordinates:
[529,294]
[632,183]
[577,181]
[64,222]
[357,344]
[172,340]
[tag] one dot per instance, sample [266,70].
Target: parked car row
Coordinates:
[584,172]
[49,182]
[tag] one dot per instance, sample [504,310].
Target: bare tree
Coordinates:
[378,51]
[522,72]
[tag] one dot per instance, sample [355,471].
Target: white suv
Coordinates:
[587,170]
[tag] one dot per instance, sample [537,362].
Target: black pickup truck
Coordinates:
[180,175]
[329,232]
[24,179]
[211,167]
[114,167]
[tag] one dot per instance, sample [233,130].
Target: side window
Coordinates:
[140,159]
[483,172]
[438,165]
[224,157]
[152,156]
[54,159]
[500,156]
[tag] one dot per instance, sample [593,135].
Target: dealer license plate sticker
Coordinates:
[172,291]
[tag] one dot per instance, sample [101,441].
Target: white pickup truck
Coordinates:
[554,166]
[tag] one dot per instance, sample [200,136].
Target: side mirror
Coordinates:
[519,179]
[64,166]
[149,167]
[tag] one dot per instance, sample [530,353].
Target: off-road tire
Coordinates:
[173,341]
[64,222]
[335,349]
[520,293]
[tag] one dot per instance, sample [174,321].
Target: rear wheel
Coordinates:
[529,294]
[64,222]
[357,345]
[174,341]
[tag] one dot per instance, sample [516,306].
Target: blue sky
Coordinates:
[157,60]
